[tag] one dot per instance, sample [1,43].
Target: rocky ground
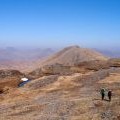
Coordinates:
[64,97]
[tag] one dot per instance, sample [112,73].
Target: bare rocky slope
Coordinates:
[73,55]
[64,97]
[9,79]
[64,91]
[26,61]
[67,61]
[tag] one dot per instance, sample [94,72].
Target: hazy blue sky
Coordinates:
[56,23]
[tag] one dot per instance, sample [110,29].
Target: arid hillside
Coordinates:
[28,60]
[67,61]
[73,55]
[64,97]
[63,91]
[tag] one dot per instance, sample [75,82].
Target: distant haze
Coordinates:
[33,54]
[22,54]
[111,52]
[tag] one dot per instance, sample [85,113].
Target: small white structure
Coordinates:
[24,79]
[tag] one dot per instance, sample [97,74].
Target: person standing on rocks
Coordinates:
[109,95]
[102,91]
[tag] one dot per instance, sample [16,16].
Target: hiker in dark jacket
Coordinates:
[109,95]
[102,91]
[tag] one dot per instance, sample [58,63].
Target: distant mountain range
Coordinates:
[13,54]
[29,59]
[22,59]
[113,52]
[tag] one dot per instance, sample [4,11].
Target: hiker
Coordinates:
[109,95]
[102,91]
